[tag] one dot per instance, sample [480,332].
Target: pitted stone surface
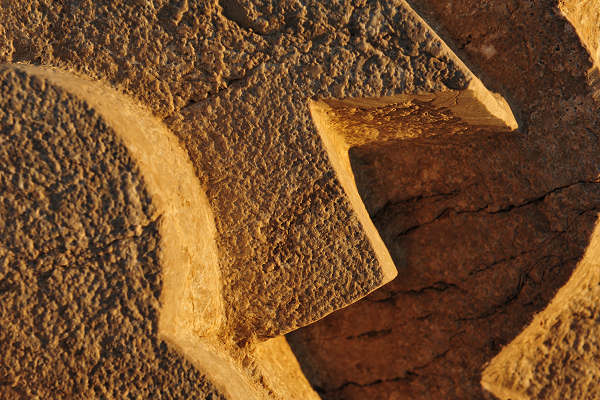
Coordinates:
[476,226]
[237,96]
[80,276]
[483,229]
[187,315]
[239,101]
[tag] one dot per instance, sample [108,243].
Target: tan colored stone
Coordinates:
[484,225]
[98,168]
[191,296]
[484,228]
[235,88]
[84,214]
[585,19]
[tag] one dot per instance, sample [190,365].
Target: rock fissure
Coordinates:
[451,212]
[410,374]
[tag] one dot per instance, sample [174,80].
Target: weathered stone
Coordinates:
[103,218]
[556,356]
[482,228]
[84,210]
[289,239]
[585,18]
[484,224]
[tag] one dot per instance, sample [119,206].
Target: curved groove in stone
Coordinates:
[191,295]
[191,317]
[93,218]
[191,313]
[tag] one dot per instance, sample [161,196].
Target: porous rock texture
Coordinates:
[483,224]
[483,229]
[237,97]
[80,277]
[89,205]
[237,100]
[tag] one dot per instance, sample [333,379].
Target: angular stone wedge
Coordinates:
[557,355]
[343,124]
[107,250]
[295,239]
[346,123]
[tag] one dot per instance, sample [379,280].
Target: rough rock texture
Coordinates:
[243,94]
[346,124]
[124,166]
[80,276]
[484,226]
[585,18]
[483,229]
[556,356]
[237,96]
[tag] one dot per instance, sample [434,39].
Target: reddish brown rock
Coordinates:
[556,356]
[483,229]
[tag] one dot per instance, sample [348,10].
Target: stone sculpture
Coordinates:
[182,183]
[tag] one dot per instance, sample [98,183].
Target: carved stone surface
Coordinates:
[110,276]
[288,238]
[81,252]
[483,229]
[557,355]
[294,113]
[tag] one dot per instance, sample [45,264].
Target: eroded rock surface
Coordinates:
[484,226]
[92,194]
[556,356]
[238,100]
[80,273]
[483,229]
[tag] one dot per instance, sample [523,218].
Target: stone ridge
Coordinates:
[191,316]
[80,275]
[484,229]
[281,208]
[585,18]
[188,251]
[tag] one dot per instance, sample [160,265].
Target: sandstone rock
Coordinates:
[291,114]
[109,255]
[556,356]
[482,228]
[585,18]
[85,208]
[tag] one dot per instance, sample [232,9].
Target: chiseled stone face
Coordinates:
[484,229]
[234,80]
[109,260]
